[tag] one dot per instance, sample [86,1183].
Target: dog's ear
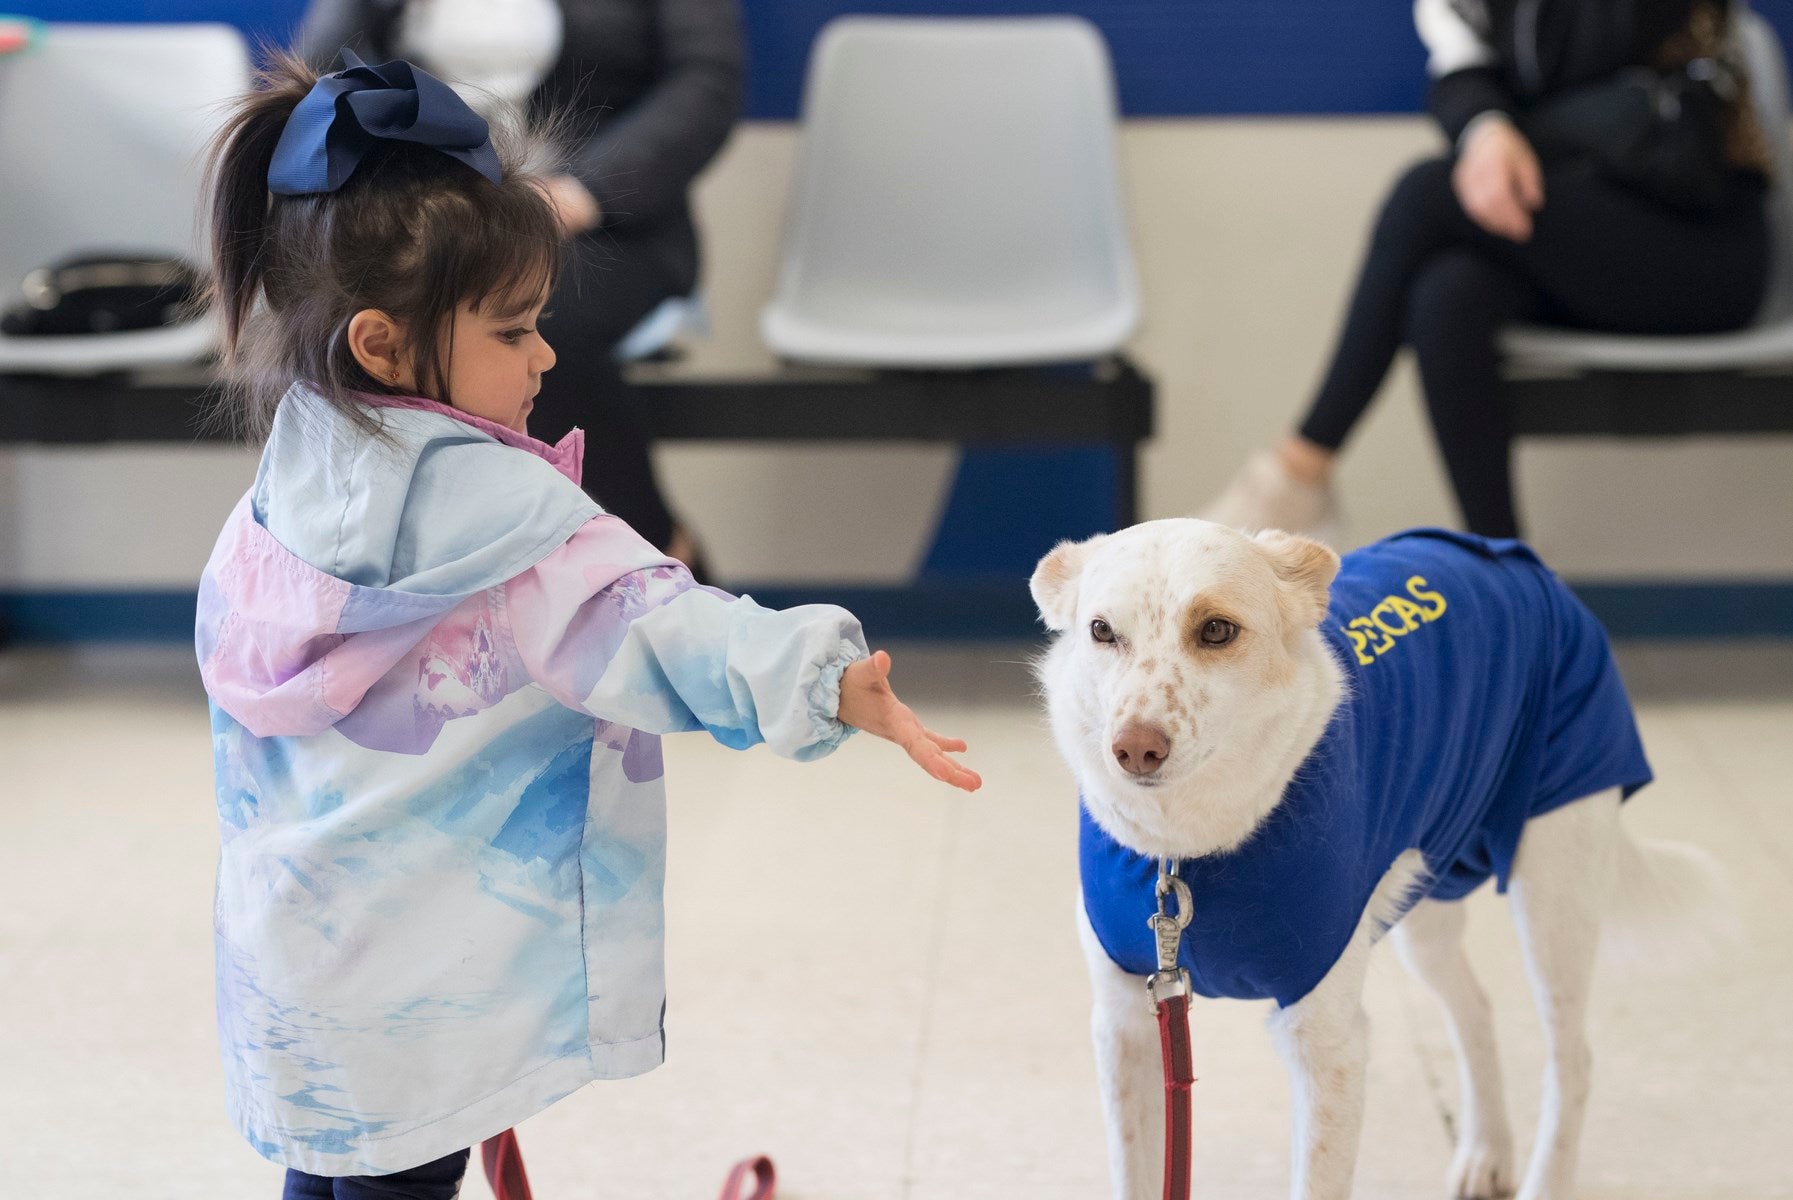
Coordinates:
[1054,582]
[1306,569]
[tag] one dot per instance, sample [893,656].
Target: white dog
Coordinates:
[1325,753]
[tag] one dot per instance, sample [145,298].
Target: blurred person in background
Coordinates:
[650,90]
[1607,173]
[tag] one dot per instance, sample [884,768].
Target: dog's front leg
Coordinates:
[1128,1071]
[1324,1040]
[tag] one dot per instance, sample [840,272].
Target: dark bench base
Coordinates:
[1109,403]
[1652,404]
[1106,403]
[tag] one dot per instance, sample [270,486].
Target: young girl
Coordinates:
[438,672]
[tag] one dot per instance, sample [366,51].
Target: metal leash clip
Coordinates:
[1167,929]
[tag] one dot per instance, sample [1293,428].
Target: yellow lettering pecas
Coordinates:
[1416,588]
[1374,635]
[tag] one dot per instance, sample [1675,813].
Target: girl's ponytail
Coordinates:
[413,232]
[238,184]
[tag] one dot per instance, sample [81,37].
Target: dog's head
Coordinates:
[1186,653]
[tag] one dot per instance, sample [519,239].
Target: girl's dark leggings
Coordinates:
[439,1180]
[1601,257]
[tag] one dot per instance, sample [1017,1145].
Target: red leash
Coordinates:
[764,1180]
[503,1160]
[1173,1034]
[504,1166]
[1168,988]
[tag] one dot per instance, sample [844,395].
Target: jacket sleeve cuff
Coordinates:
[1462,96]
[1486,117]
[827,730]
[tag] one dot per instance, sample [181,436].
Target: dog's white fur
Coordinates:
[1239,719]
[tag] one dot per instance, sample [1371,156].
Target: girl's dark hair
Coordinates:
[413,233]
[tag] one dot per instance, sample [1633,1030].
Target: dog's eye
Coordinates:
[1218,632]
[1101,631]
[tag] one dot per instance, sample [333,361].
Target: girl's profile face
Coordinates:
[496,366]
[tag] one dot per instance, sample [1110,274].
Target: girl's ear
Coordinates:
[1054,582]
[378,344]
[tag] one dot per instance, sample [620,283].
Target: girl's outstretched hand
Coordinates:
[866,702]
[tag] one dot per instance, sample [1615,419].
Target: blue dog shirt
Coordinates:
[1479,693]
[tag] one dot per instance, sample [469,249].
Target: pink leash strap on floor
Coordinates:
[503,1159]
[765,1180]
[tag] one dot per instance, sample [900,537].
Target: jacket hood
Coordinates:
[351,547]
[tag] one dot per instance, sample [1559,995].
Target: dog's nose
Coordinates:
[1140,749]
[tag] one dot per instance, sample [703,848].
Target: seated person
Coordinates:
[1585,235]
[651,89]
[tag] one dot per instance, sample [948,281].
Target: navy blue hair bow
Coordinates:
[347,113]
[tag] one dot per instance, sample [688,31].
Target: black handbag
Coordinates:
[104,294]
[1661,133]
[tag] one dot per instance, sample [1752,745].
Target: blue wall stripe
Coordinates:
[1688,611]
[1207,56]
[1172,57]
[269,20]
[948,610]
[108,616]
[1175,57]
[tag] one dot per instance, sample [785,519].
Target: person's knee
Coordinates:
[1417,204]
[1424,182]
[1457,295]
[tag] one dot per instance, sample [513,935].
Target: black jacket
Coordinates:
[652,88]
[1531,49]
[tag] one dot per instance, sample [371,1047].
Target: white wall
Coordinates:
[1248,233]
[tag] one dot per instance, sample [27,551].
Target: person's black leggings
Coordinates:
[606,287]
[439,1180]
[1600,257]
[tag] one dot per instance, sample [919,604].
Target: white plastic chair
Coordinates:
[957,202]
[1768,342]
[102,133]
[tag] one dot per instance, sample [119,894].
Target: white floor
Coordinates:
[873,979]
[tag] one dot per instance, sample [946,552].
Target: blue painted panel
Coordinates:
[1007,507]
[1176,57]
[1198,56]
[1172,57]
[113,616]
[260,20]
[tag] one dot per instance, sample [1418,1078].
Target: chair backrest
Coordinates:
[102,133]
[1766,63]
[957,198]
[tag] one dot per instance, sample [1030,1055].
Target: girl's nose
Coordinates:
[546,359]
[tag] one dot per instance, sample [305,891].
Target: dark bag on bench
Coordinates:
[104,294]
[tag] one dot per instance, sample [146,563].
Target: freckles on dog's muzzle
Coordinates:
[1140,748]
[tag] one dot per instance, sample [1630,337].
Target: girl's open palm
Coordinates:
[866,702]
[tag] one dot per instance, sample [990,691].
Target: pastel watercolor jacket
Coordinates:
[438,674]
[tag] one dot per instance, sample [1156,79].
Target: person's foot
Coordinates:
[1265,494]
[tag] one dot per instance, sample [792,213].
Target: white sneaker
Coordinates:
[1263,495]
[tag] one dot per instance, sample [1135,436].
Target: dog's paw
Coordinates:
[1482,1169]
